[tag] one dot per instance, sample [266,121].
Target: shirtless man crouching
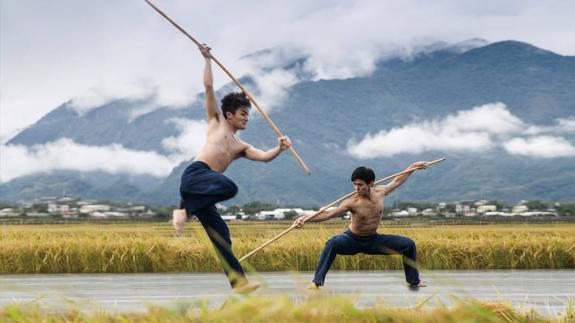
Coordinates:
[366,208]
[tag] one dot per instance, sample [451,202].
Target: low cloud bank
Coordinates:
[541,146]
[479,129]
[65,154]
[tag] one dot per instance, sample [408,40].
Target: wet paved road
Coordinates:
[546,290]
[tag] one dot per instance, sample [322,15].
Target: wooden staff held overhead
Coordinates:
[248,94]
[343,198]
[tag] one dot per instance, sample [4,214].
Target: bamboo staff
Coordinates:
[248,94]
[330,205]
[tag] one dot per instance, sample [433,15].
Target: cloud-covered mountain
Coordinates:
[503,113]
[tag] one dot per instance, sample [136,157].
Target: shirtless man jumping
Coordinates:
[203,184]
[366,208]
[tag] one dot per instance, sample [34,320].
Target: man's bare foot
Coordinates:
[246,288]
[179,218]
[312,286]
[417,286]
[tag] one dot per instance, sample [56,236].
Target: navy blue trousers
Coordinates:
[348,243]
[201,188]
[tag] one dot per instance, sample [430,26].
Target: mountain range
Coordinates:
[324,117]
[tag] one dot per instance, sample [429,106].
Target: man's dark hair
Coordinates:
[365,174]
[233,101]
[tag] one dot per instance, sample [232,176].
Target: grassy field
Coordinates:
[127,248]
[282,309]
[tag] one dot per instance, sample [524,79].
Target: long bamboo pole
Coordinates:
[248,94]
[343,198]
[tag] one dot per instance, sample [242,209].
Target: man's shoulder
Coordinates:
[381,190]
[244,145]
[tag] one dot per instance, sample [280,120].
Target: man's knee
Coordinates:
[230,188]
[233,189]
[411,244]
[410,247]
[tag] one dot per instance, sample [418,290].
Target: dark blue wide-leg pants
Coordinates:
[348,243]
[201,188]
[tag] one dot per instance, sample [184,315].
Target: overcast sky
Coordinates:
[94,51]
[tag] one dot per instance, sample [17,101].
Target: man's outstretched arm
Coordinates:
[399,180]
[324,216]
[252,153]
[212,108]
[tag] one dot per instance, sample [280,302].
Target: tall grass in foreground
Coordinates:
[129,248]
[282,309]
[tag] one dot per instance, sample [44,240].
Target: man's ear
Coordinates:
[227,115]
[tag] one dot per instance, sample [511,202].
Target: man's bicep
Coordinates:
[212,108]
[387,189]
[342,209]
[382,190]
[252,153]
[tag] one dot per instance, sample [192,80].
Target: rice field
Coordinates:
[132,248]
[282,309]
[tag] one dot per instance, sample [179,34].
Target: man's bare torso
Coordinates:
[366,213]
[222,147]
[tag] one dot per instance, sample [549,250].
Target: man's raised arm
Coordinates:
[399,180]
[212,108]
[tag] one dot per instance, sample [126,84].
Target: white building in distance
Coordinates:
[481,209]
[90,208]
